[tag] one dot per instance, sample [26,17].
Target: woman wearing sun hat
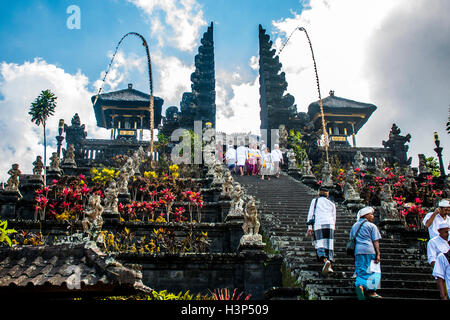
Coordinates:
[367,254]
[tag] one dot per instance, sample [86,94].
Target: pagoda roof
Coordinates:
[130,101]
[335,108]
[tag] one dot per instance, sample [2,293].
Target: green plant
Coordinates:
[4,232]
[433,165]
[43,107]
[296,142]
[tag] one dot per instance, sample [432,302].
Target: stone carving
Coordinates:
[137,160]
[111,200]
[251,226]
[126,172]
[218,176]
[227,184]
[93,222]
[283,140]
[237,201]
[38,166]
[327,178]
[379,168]
[388,210]
[350,193]
[358,161]
[292,160]
[423,169]
[409,177]
[75,134]
[55,163]
[69,157]
[396,144]
[306,167]
[13,181]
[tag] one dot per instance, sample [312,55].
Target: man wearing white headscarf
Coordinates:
[367,254]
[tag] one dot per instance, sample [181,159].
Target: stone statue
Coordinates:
[125,173]
[237,201]
[350,193]
[423,169]
[227,184]
[136,162]
[358,161]
[306,167]
[409,177]
[38,166]
[111,201]
[379,168]
[388,210]
[93,222]
[292,160]
[251,237]
[55,163]
[327,178]
[13,181]
[283,141]
[218,177]
[69,157]
[251,223]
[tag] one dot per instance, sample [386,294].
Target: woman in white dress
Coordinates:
[267,164]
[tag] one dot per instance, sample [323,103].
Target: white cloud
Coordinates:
[20,85]
[174,78]
[389,53]
[183,17]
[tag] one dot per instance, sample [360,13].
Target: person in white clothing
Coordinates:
[438,244]
[241,157]
[441,272]
[321,223]
[230,157]
[433,219]
[277,157]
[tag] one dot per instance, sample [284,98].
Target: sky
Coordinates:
[393,54]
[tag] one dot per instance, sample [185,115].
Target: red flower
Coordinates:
[418,201]
[82,177]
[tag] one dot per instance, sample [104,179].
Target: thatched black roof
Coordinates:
[340,108]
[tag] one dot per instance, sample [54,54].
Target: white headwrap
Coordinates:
[363,212]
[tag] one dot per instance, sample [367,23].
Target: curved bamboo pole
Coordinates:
[151,106]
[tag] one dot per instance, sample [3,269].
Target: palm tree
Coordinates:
[43,107]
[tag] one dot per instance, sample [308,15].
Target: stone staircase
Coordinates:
[283,207]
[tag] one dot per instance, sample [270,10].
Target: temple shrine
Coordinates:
[126,112]
[343,118]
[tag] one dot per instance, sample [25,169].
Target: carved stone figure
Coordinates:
[292,160]
[409,177]
[93,222]
[306,168]
[136,162]
[38,166]
[358,161]
[218,176]
[283,140]
[397,143]
[126,172]
[388,210]
[423,169]
[327,178]
[350,193]
[111,200]
[237,201]
[55,163]
[69,157]
[227,184]
[13,181]
[251,223]
[379,168]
